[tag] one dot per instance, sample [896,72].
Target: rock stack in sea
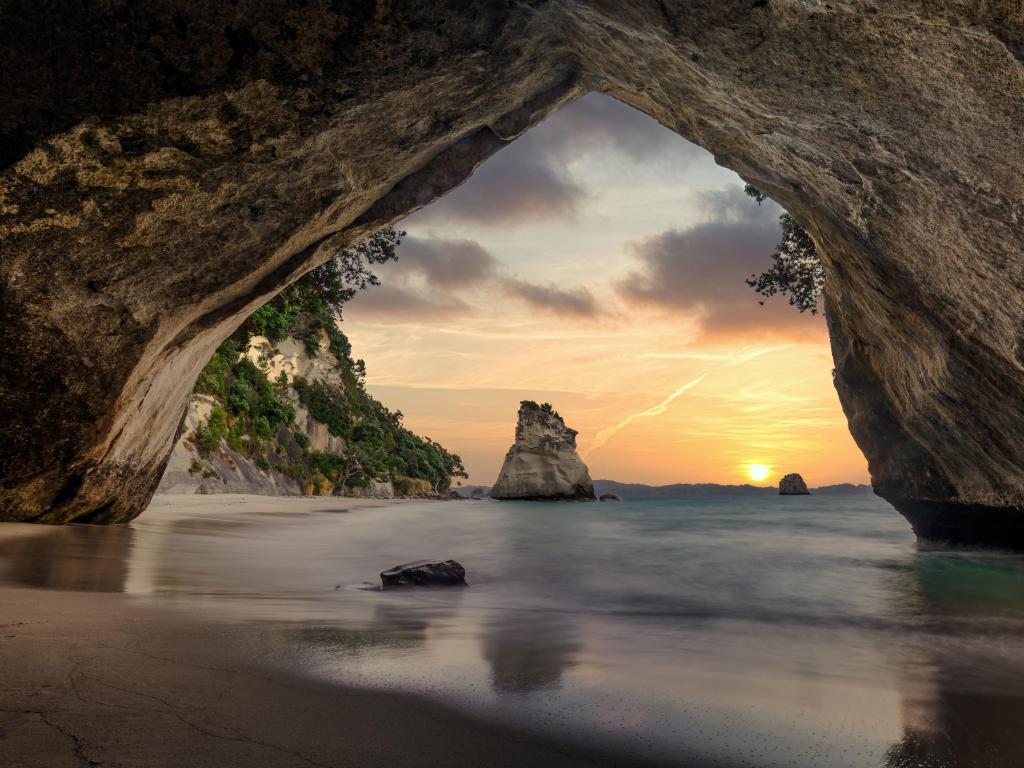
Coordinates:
[793,485]
[543,464]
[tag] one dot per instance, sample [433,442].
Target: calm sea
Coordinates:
[765,631]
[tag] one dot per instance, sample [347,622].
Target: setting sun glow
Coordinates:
[758,472]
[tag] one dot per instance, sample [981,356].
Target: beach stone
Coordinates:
[424,573]
[793,485]
[609,497]
[147,209]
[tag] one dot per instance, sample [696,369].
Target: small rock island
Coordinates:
[793,485]
[543,464]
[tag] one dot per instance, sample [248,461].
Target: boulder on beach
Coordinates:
[609,497]
[793,485]
[425,573]
[543,464]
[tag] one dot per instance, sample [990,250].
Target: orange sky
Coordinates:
[598,264]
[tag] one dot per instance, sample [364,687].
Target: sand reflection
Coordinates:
[963,701]
[69,557]
[528,650]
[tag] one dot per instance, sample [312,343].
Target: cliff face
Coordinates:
[223,470]
[147,209]
[286,467]
[542,464]
[281,409]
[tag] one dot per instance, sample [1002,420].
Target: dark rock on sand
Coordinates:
[425,573]
[793,485]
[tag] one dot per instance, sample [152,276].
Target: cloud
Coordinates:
[447,264]
[394,302]
[575,302]
[700,271]
[531,179]
[655,410]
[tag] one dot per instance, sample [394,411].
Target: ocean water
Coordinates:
[764,631]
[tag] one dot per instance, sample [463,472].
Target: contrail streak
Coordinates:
[655,410]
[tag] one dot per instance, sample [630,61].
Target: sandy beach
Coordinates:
[252,631]
[98,678]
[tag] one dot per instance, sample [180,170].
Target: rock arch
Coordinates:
[163,172]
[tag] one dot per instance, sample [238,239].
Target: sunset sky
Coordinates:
[598,263]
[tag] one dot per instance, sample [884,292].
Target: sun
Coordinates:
[758,472]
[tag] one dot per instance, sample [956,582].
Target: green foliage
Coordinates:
[543,408]
[327,404]
[255,408]
[296,471]
[796,267]
[207,436]
[213,378]
[301,438]
[312,304]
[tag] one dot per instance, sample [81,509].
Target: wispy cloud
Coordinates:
[605,435]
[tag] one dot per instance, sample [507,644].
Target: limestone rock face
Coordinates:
[793,485]
[542,463]
[225,471]
[178,164]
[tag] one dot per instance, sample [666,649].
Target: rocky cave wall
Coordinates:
[165,171]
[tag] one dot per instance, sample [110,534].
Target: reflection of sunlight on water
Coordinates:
[804,633]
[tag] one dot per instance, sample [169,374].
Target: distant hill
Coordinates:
[631,491]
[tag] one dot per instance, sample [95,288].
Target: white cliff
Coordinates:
[543,464]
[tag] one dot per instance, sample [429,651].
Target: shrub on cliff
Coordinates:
[796,267]
[543,407]
[314,302]
[378,447]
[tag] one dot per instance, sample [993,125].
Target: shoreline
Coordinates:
[94,675]
[170,505]
[95,679]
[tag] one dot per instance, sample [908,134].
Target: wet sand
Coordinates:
[241,631]
[92,676]
[90,679]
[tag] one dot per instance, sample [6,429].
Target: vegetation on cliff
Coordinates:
[542,407]
[796,267]
[256,416]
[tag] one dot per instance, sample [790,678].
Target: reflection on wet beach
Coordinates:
[528,650]
[962,661]
[70,557]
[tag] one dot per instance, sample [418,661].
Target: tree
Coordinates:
[313,302]
[339,279]
[796,267]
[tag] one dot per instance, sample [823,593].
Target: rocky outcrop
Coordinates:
[793,485]
[542,463]
[225,470]
[177,164]
[608,497]
[425,573]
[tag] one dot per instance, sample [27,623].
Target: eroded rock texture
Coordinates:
[542,463]
[793,485]
[166,169]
